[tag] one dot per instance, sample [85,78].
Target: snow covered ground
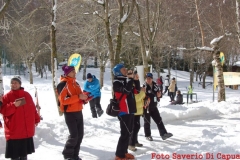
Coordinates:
[203,130]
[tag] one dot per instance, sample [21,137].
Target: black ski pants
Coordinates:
[166,90]
[126,126]
[154,113]
[136,127]
[171,94]
[95,106]
[74,121]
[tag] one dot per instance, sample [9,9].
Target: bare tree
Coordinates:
[125,11]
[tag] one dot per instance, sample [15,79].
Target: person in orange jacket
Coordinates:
[71,100]
[20,118]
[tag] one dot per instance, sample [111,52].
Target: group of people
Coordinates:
[172,90]
[136,101]
[21,117]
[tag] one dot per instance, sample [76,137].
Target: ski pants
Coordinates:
[74,121]
[166,90]
[154,113]
[171,94]
[95,106]
[126,126]
[136,127]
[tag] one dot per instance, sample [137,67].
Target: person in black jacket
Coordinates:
[123,86]
[153,93]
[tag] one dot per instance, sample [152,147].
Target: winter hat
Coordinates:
[89,75]
[67,69]
[116,70]
[17,78]
[150,75]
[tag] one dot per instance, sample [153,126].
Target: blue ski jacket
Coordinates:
[92,87]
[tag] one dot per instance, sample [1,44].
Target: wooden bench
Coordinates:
[189,95]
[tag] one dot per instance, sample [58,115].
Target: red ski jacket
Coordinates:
[19,122]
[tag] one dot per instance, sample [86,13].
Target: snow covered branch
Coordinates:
[196,48]
[102,2]
[216,41]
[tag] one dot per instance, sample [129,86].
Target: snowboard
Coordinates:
[37,103]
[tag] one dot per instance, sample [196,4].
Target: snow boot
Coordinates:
[149,138]
[100,112]
[138,144]
[132,148]
[23,158]
[167,135]
[94,114]
[77,158]
[118,158]
[129,156]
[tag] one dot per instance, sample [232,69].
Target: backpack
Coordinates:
[60,87]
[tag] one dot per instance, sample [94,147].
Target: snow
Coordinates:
[216,40]
[137,34]
[205,48]
[54,14]
[180,48]
[200,129]
[100,2]
[123,19]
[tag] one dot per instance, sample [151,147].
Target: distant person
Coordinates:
[166,84]
[123,85]
[151,111]
[0,108]
[172,89]
[159,82]
[20,118]
[179,99]
[71,104]
[190,92]
[92,86]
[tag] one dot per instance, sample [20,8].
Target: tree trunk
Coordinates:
[29,65]
[143,49]
[101,75]
[199,22]
[84,69]
[204,80]
[54,52]
[238,20]
[221,87]
[109,37]
[191,70]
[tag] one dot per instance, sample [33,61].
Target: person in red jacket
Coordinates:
[20,118]
[159,82]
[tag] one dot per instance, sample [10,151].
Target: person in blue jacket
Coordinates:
[92,86]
